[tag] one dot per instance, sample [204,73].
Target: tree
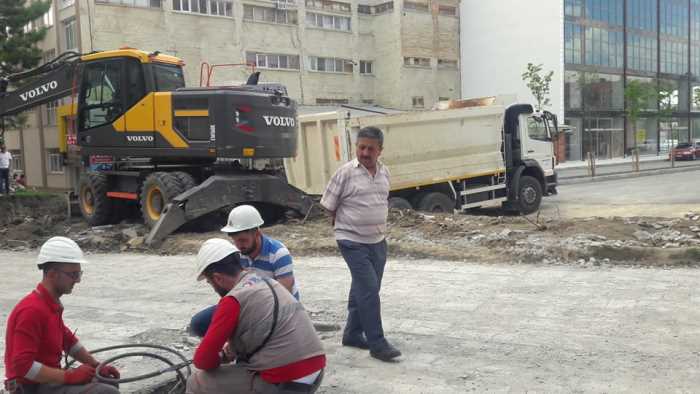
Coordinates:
[538,84]
[638,94]
[18,39]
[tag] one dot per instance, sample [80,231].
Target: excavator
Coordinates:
[178,153]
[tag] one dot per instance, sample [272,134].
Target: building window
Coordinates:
[366,67]
[327,5]
[205,7]
[50,119]
[641,52]
[66,3]
[383,8]
[448,10]
[641,15]
[573,8]
[446,63]
[55,161]
[364,9]
[333,22]
[604,47]
[418,102]
[414,6]
[443,99]
[673,18]
[269,15]
[673,57]
[603,92]
[47,19]
[273,60]
[133,3]
[17,163]
[573,39]
[69,27]
[330,64]
[331,101]
[606,11]
[416,61]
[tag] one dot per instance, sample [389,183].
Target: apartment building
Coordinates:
[397,54]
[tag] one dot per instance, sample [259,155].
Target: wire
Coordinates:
[172,367]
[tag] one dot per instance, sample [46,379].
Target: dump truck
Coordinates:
[489,152]
[177,153]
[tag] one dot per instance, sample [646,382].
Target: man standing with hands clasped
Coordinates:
[357,198]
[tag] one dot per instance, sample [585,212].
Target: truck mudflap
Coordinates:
[219,191]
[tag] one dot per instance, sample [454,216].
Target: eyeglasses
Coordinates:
[75,275]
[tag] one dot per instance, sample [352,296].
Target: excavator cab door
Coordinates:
[108,88]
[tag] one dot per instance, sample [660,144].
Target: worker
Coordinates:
[36,336]
[268,332]
[357,199]
[267,256]
[5,166]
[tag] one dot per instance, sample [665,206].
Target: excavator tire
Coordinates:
[186,180]
[158,190]
[95,206]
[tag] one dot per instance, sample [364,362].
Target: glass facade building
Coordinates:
[610,43]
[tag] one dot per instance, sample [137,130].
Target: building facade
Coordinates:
[396,54]
[596,48]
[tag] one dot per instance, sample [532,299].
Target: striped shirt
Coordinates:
[360,202]
[274,261]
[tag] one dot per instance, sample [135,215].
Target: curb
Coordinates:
[625,174]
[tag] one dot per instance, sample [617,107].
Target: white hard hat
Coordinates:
[241,218]
[213,250]
[60,250]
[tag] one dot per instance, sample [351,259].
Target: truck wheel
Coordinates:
[187,181]
[529,195]
[158,190]
[399,203]
[95,206]
[436,202]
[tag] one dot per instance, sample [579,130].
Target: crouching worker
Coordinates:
[36,336]
[270,336]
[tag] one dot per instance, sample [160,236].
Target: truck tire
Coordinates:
[399,203]
[436,202]
[95,206]
[158,190]
[187,181]
[529,195]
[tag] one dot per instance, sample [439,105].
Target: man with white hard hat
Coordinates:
[267,256]
[36,336]
[268,332]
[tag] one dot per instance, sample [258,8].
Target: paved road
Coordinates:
[655,195]
[462,327]
[577,172]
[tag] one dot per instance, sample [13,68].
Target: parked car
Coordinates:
[686,151]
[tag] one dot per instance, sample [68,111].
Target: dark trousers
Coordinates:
[5,180]
[366,263]
[201,321]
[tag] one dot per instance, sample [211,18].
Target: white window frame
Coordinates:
[66,3]
[265,11]
[328,22]
[364,67]
[222,8]
[55,161]
[51,108]
[17,164]
[70,34]
[413,61]
[330,62]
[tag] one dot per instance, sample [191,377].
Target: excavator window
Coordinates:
[168,77]
[136,87]
[101,100]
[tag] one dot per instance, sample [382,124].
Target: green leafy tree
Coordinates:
[638,95]
[18,44]
[538,83]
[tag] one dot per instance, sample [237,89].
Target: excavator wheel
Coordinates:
[158,190]
[186,180]
[95,206]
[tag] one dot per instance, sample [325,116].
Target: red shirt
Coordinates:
[36,333]
[222,326]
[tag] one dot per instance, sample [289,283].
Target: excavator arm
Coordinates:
[43,84]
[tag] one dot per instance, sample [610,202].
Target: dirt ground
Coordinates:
[483,236]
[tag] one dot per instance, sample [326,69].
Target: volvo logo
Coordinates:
[139,138]
[279,121]
[39,91]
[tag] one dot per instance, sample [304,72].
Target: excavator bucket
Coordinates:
[220,191]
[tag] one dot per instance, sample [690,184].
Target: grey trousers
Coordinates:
[90,388]
[231,378]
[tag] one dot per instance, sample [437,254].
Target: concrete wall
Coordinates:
[499,38]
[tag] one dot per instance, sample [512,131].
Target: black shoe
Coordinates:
[359,342]
[385,353]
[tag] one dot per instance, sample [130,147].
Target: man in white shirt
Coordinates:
[5,162]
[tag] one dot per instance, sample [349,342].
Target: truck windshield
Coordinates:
[536,129]
[168,77]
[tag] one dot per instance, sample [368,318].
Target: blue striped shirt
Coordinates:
[274,261]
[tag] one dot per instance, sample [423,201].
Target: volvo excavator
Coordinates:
[177,152]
